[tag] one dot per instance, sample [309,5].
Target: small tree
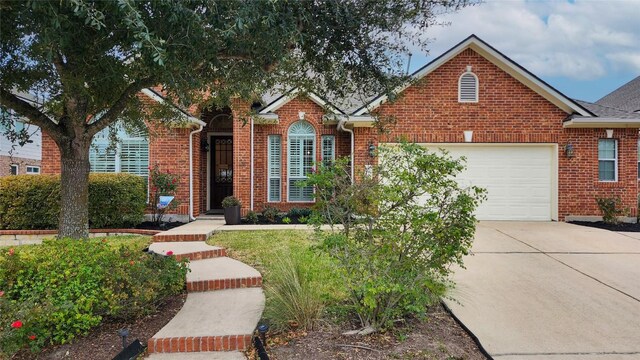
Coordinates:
[162,184]
[405,224]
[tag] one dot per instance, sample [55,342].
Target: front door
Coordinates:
[221,170]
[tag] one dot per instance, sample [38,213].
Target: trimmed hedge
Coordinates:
[30,202]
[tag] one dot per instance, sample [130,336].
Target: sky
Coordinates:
[585,49]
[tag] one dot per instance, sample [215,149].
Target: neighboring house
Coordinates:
[540,154]
[16,159]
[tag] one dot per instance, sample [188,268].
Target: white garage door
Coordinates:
[520,179]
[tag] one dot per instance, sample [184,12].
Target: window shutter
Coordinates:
[102,159]
[328,149]
[273,171]
[134,157]
[468,88]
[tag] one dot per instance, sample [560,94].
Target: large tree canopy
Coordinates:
[91,58]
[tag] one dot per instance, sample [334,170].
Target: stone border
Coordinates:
[30,237]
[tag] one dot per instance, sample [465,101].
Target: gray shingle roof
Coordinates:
[607,111]
[626,97]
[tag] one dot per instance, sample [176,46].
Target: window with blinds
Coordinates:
[301,155]
[328,149]
[468,87]
[274,153]
[129,155]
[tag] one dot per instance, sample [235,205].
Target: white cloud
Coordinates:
[582,40]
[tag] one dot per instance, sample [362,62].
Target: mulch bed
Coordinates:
[603,225]
[104,342]
[439,337]
[148,225]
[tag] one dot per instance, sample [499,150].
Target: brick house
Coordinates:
[16,159]
[541,155]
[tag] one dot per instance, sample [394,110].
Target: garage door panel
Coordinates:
[518,179]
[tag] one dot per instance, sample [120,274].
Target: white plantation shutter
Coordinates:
[468,88]
[273,172]
[301,156]
[134,157]
[328,149]
[101,158]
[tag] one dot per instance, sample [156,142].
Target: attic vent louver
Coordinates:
[468,87]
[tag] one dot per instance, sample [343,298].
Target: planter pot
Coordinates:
[232,215]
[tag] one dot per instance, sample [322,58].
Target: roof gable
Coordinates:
[626,97]
[501,61]
[283,99]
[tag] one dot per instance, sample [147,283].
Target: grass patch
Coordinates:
[301,282]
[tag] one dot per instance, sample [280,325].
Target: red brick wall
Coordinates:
[507,112]
[288,114]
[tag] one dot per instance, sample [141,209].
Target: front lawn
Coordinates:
[53,293]
[315,290]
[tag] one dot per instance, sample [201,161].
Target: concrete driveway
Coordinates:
[542,290]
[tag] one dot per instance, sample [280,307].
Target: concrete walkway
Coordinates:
[551,291]
[224,302]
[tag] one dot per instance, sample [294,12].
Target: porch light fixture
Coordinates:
[204,145]
[568,150]
[372,150]
[609,133]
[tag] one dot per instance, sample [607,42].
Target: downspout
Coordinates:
[341,124]
[251,167]
[191,217]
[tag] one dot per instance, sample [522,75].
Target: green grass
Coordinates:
[300,280]
[136,242]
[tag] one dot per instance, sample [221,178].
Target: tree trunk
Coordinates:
[74,191]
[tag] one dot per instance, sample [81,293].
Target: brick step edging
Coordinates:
[223,284]
[201,255]
[199,344]
[182,237]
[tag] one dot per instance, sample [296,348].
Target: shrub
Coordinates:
[292,295]
[405,223]
[33,202]
[252,217]
[162,184]
[63,288]
[296,213]
[270,214]
[230,201]
[611,209]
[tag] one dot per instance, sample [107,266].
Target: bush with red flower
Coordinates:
[54,292]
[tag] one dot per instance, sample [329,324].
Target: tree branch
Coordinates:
[116,109]
[35,116]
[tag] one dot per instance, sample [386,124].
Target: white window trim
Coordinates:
[460,100]
[17,166]
[33,167]
[269,177]
[615,161]
[333,147]
[289,177]
[638,159]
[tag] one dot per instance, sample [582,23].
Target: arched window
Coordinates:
[301,156]
[468,87]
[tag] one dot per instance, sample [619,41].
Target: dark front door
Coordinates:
[221,169]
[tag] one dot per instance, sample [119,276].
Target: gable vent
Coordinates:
[468,87]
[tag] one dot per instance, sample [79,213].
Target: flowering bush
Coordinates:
[61,289]
[162,184]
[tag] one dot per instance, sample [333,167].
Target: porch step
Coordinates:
[193,231]
[221,273]
[212,321]
[192,250]
[209,355]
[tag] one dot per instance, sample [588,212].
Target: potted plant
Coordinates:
[231,207]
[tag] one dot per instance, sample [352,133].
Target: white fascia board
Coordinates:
[601,123]
[497,59]
[282,100]
[353,120]
[270,118]
[161,100]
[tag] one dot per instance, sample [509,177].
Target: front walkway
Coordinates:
[551,291]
